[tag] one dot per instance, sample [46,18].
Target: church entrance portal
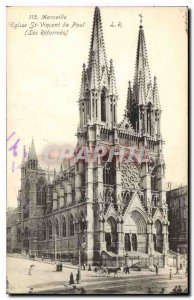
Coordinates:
[134,242]
[111,235]
[127,242]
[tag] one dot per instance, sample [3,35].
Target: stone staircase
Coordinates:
[109,259]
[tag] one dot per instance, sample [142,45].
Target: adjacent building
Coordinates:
[11,221]
[177,200]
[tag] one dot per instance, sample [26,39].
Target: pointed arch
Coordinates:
[111,236]
[57,227]
[103,105]
[71,225]
[18,235]
[139,220]
[82,221]
[157,235]
[50,230]
[44,231]
[109,173]
[64,227]
[158,226]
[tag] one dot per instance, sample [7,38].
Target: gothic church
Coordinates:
[102,209]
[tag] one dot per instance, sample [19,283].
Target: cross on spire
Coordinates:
[141,18]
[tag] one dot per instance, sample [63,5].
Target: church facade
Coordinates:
[107,206]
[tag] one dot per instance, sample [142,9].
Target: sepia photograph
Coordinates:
[97,150]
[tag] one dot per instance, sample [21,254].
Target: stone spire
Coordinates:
[32,152]
[48,176]
[129,101]
[83,83]
[94,74]
[112,80]
[97,50]
[156,99]
[54,175]
[24,157]
[142,78]
[61,170]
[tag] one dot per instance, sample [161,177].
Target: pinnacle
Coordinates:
[97,47]
[156,99]
[112,80]
[32,152]
[142,78]
[24,157]
[83,82]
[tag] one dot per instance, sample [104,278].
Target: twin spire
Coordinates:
[97,74]
[97,62]
[144,93]
[142,78]
[143,97]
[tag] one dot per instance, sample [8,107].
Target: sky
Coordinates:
[44,77]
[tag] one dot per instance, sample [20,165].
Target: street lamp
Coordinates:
[78,242]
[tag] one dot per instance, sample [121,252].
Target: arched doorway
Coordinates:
[111,235]
[157,237]
[136,225]
[127,242]
[134,241]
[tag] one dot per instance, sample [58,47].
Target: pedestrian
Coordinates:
[29,272]
[156,269]
[61,266]
[127,270]
[82,291]
[177,271]
[179,290]
[162,291]
[31,290]
[57,266]
[78,277]
[74,290]
[150,291]
[71,280]
[84,267]
[7,283]
[42,257]
[89,268]
[174,291]
[170,275]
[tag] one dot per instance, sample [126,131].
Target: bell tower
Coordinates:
[144,113]
[98,94]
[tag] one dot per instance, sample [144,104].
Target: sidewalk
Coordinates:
[46,261]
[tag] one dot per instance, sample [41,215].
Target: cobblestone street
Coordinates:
[45,279]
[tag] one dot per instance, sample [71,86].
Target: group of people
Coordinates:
[72,282]
[71,278]
[84,267]
[178,290]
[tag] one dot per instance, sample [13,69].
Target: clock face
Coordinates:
[130,175]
